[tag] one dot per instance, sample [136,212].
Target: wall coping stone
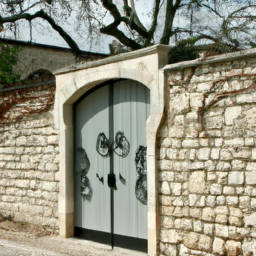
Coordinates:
[113,59]
[212,59]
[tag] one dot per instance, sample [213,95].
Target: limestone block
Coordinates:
[190,143]
[240,190]
[225,154]
[178,202]
[251,118]
[188,224]
[181,166]
[167,210]
[233,248]
[250,220]
[178,223]
[253,202]
[183,154]
[164,235]
[236,178]
[223,166]
[165,165]
[167,222]
[232,72]
[211,201]
[208,229]
[204,87]
[191,240]
[173,236]
[221,231]
[218,142]
[166,142]
[171,250]
[192,154]
[195,213]
[204,142]
[249,142]
[205,243]
[216,189]
[197,182]
[244,203]
[222,177]
[232,200]
[223,210]
[214,121]
[208,214]
[22,183]
[253,153]
[215,153]
[53,140]
[178,211]
[196,101]
[238,165]
[198,226]
[211,176]
[203,153]
[232,113]
[176,143]
[172,154]
[176,188]
[250,174]
[229,190]
[249,247]
[180,103]
[221,219]
[166,176]
[244,153]
[197,166]
[165,200]
[165,188]
[51,167]
[235,221]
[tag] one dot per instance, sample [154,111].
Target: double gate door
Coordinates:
[110,164]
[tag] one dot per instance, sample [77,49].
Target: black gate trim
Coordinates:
[127,242]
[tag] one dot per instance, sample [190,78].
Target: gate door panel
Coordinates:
[131,110]
[92,118]
[110,132]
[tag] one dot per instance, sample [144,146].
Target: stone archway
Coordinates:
[72,84]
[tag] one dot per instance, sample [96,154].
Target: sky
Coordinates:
[51,37]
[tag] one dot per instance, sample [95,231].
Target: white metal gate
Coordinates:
[110,164]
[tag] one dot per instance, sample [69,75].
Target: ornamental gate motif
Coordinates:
[110,164]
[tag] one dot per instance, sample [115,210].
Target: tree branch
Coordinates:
[113,31]
[41,14]
[210,8]
[170,14]
[154,21]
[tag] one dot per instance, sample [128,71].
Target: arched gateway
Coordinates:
[110,164]
[116,144]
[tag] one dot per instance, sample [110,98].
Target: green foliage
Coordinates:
[183,51]
[8,58]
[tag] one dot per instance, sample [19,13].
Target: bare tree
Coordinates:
[226,24]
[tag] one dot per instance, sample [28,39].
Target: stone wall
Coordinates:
[207,161]
[29,156]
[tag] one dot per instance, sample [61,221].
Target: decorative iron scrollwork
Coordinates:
[100,179]
[122,144]
[105,146]
[86,188]
[84,162]
[141,168]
